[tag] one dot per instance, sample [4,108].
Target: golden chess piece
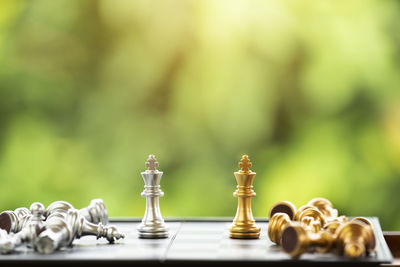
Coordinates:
[326,208]
[244,226]
[300,210]
[354,238]
[277,223]
[284,207]
[332,227]
[372,246]
[296,240]
[310,218]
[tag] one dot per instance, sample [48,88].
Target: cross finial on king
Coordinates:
[245,164]
[151,163]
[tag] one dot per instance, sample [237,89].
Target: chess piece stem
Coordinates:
[244,226]
[153,225]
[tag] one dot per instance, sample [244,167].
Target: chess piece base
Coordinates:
[238,235]
[244,232]
[153,235]
[152,231]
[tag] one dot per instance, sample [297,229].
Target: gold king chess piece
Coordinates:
[244,226]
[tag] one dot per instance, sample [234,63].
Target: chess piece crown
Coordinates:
[152,225]
[244,226]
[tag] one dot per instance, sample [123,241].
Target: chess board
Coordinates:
[191,241]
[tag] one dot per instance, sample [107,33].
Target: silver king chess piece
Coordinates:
[153,225]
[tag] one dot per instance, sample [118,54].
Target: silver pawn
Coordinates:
[63,228]
[96,211]
[28,234]
[14,221]
[153,225]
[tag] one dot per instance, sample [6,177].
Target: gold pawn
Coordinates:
[280,215]
[372,246]
[296,240]
[354,238]
[244,226]
[326,207]
[277,223]
[284,207]
[310,218]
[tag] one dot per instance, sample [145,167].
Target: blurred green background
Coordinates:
[310,90]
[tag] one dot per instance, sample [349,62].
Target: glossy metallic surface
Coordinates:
[354,238]
[244,226]
[63,228]
[153,225]
[28,234]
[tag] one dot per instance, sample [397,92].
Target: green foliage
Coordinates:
[308,89]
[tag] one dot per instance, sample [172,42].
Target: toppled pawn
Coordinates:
[96,212]
[14,221]
[282,215]
[153,225]
[326,208]
[296,240]
[63,228]
[371,247]
[355,238]
[283,207]
[28,234]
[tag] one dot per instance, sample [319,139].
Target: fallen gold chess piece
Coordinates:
[317,227]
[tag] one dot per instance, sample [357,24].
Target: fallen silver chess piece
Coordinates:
[28,233]
[47,230]
[14,221]
[62,228]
